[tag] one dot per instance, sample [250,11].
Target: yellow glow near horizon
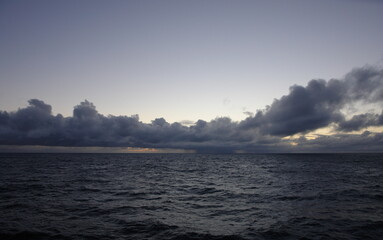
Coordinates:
[327,131]
[63,149]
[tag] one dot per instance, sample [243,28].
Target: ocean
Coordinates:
[191,196]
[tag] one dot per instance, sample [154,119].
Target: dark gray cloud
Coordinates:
[364,84]
[304,109]
[35,125]
[319,103]
[361,121]
[364,142]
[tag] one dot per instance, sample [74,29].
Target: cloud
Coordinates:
[304,109]
[35,125]
[361,121]
[318,104]
[365,84]
[364,142]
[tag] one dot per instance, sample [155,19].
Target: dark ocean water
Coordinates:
[191,196]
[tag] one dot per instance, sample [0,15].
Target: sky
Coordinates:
[243,68]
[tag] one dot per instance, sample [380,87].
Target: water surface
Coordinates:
[191,196]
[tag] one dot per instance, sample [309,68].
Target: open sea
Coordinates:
[191,196]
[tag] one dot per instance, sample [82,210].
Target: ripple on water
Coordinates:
[191,196]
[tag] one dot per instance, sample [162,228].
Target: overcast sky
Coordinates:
[181,60]
[184,61]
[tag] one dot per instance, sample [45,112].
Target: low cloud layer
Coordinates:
[303,110]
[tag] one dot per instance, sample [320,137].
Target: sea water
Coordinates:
[191,196]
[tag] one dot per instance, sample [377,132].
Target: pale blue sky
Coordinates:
[181,60]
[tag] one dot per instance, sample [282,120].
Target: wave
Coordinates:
[240,197]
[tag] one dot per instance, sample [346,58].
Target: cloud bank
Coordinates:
[306,109]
